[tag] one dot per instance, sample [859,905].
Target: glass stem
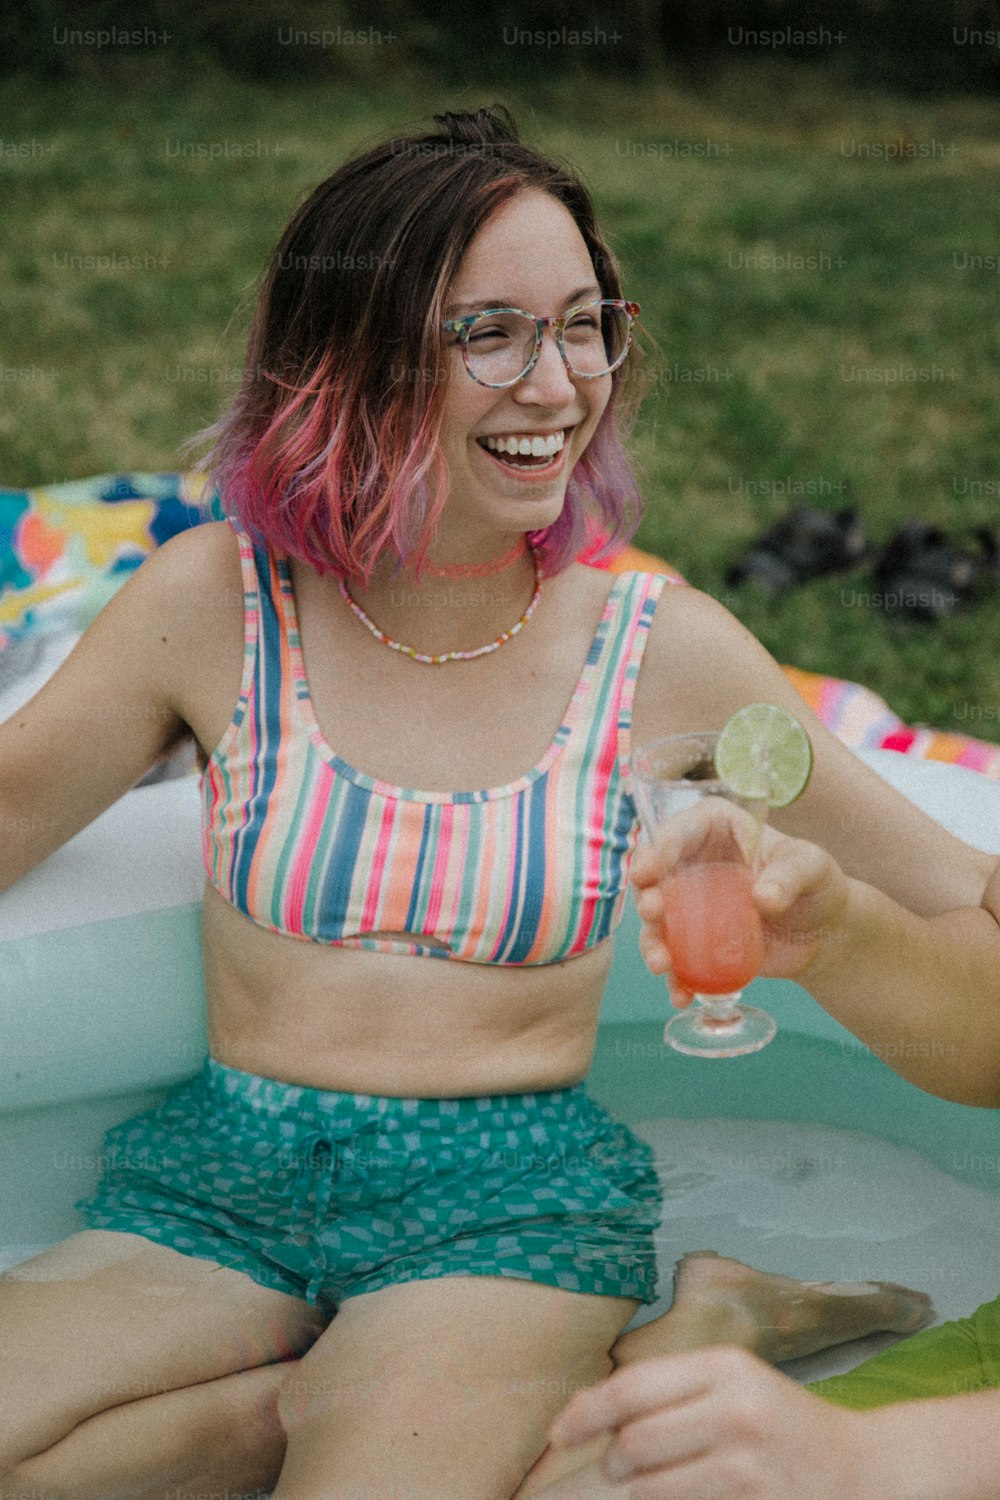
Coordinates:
[720,1010]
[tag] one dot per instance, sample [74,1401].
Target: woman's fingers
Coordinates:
[654,951]
[632,1391]
[656,957]
[660,1442]
[711,829]
[715,1424]
[646,869]
[799,890]
[649,903]
[790,869]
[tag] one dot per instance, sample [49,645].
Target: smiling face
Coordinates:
[529,255]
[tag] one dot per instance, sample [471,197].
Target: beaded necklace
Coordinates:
[446,656]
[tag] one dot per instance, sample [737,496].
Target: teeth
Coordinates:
[526,446]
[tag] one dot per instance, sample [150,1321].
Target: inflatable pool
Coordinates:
[101,1010]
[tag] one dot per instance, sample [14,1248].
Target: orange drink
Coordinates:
[713,931]
[708,836]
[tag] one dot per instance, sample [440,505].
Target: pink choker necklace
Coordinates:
[478,570]
[446,656]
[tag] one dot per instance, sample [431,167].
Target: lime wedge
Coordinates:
[764,752]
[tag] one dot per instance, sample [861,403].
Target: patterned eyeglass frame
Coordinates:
[462,325]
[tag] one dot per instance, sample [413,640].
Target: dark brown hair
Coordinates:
[330,448]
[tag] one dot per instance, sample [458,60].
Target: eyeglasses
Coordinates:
[502,344]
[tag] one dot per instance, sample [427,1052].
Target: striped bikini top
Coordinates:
[306,845]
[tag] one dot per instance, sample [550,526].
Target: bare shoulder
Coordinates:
[189,571]
[698,664]
[701,664]
[201,580]
[578,595]
[583,583]
[586,585]
[127,693]
[201,566]
[688,629]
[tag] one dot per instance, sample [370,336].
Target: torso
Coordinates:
[383,1023]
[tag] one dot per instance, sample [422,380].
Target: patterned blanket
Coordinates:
[66,548]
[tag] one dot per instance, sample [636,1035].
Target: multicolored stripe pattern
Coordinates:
[307,845]
[858,716]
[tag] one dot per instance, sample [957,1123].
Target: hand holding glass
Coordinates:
[712,929]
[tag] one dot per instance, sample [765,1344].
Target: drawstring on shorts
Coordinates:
[312,1178]
[313,1171]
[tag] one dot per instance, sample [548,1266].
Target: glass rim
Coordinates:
[689,737]
[705,739]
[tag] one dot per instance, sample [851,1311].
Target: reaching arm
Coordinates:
[922,992]
[903,948]
[104,718]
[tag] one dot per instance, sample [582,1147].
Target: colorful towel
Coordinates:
[66,548]
[859,717]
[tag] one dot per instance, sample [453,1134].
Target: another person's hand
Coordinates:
[799,890]
[715,1424]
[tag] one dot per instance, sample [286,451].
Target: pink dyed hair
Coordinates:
[329,450]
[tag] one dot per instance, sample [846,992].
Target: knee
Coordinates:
[245,1408]
[294,1399]
[304,1395]
[20,1443]
[316,1395]
[16,1480]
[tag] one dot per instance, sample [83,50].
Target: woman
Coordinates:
[390,1170]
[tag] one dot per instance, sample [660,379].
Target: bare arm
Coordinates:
[906,951]
[104,718]
[922,992]
[701,665]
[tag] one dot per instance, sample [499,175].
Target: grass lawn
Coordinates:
[819,272]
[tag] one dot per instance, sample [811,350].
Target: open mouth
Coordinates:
[525,450]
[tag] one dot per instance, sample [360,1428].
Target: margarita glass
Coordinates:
[711,927]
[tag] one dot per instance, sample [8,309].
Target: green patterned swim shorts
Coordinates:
[327,1195]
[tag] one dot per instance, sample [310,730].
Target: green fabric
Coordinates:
[327,1195]
[943,1361]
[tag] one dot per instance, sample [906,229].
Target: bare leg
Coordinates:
[720,1301]
[222,1437]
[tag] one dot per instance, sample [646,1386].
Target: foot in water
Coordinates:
[717,1300]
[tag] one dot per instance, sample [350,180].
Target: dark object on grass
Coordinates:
[807,543]
[923,575]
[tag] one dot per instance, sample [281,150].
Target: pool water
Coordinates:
[825,1204]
